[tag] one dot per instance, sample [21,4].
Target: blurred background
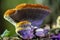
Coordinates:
[54,5]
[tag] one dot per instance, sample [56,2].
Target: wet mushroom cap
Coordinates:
[27,12]
[34,13]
